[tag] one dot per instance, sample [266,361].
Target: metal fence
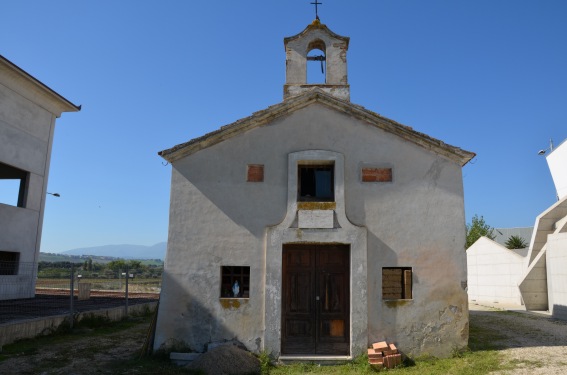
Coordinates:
[26,292]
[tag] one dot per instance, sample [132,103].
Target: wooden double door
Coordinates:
[316,299]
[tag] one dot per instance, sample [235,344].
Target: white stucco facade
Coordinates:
[412,219]
[28,110]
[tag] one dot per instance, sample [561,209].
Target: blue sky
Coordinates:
[487,76]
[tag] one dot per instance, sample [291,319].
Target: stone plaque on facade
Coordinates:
[315,219]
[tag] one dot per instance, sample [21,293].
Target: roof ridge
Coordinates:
[294,103]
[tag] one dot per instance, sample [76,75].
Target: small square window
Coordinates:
[397,283]
[9,262]
[13,185]
[235,282]
[316,183]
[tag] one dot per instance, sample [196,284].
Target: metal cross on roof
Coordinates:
[316,9]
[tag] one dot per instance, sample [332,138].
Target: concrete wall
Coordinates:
[502,235]
[27,329]
[494,272]
[28,110]
[533,286]
[556,161]
[534,283]
[557,274]
[26,136]
[217,218]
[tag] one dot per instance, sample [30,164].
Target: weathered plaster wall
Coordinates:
[335,51]
[202,238]
[494,272]
[216,218]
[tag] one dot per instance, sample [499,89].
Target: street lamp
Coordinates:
[54,194]
[550,148]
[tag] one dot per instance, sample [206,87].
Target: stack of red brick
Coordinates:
[383,354]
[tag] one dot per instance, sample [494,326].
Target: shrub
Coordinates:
[516,242]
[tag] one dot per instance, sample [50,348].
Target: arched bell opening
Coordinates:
[316,62]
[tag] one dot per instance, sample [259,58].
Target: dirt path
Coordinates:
[79,355]
[535,342]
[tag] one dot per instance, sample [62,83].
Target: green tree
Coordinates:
[117,265]
[478,228]
[516,242]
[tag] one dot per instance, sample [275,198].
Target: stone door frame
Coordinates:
[343,232]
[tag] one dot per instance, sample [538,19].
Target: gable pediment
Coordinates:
[306,99]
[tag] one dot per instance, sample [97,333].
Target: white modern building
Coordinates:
[557,162]
[537,276]
[28,110]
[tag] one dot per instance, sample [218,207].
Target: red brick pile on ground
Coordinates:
[383,354]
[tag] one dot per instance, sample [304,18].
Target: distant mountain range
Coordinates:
[156,251]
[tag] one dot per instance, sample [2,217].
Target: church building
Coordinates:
[315,227]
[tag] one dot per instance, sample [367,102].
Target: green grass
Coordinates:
[467,363]
[482,356]
[92,327]
[88,327]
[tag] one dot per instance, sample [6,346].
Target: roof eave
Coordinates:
[63,104]
[262,117]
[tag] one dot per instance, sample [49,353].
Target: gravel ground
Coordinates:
[534,341]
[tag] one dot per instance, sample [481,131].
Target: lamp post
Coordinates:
[54,194]
[550,148]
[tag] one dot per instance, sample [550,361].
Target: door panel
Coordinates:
[315,299]
[299,302]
